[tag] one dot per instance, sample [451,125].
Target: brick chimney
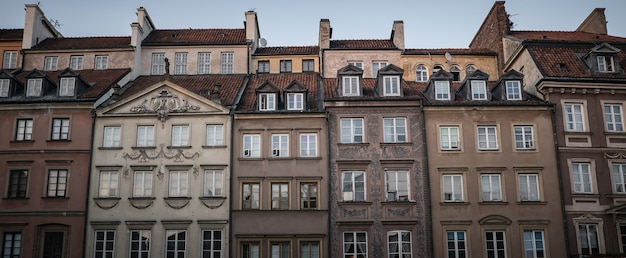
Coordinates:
[397,34]
[594,23]
[326,33]
[37,27]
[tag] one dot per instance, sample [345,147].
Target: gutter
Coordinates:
[561,190]
[427,203]
[86,222]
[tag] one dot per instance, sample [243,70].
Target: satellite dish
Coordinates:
[263,42]
[448,56]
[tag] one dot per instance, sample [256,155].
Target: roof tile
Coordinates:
[362,44]
[290,50]
[84,43]
[11,34]
[196,37]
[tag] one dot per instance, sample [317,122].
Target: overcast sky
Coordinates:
[427,24]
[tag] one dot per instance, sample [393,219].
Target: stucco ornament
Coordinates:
[163,104]
[615,155]
[175,155]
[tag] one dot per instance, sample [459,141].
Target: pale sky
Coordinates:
[427,24]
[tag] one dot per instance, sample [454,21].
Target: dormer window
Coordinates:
[479,90]
[351,86]
[456,72]
[267,101]
[4,87]
[605,64]
[442,90]
[67,87]
[33,88]
[513,90]
[391,86]
[295,101]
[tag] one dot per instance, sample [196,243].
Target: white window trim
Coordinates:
[393,131]
[421,73]
[180,63]
[538,182]
[112,136]
[355,244]
[112,186]
[377,65]
[396,196]
[5,87]
[183,138]
[442,90]
[76,62]
[605,63]
[157,64]
[478,89]
[308,148]
[577,173]
[67,87]
[143,180]
[50,63]
[215,135]
[617,126]
[267,101]
[352,128]
[488,137]
[453,179]
[34,87]
[400,243]
[583,113]
[204,63]
[350,196]
[514,85]
[227,62]
[101,62]
[295,101]
[10,61]
[590,220]
[178,183]
[148,136]
[211,186]
[453,145]
[350,86]
[253,148]
[528,139]
[491,190]
[391,85]
[280,145]
[618,172]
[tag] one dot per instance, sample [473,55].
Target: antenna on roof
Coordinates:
[263,42]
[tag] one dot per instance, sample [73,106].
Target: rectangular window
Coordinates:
[353,186]
[354,244]
[12,245]
[605,63]
[214,135]
[101,62]
[285,66]
[397,185]
[442,90]
[213,183]
[513,90]
[251,146]
[280,196]
[18,183]
[524,139]
[76,62]
[104,243]
[350,86]
[34,87]
[352,130]
[140,243]
[491,187]
[534,244]
[145,136]
[574,117]
[250,250]
[250,196]
[358,64]
[449,138]
[588,239]
[112,135]
[456,244]
[267,101]
[377,65]
[619,180]
[24,130]
[176,243]
[53,243]
[487,139]
[50,63]
[479,90]
[180,63]
[581,177]
[308,195]
[280,145]
[495,244]
[528,187]
[280,250]
[310,250]
[57,183]
[308,145]
[227,62]
[308,65]
[158,64]
[391,85]
[108,184]
[453,188]
[204,63]
[179,184]
[613,117]
[180,135]
[421,73]
[10,60]
[264,66]
[295,101]
[142,185]
[4,87]
[394,129]
[211,243]
[399,243]
[67,87]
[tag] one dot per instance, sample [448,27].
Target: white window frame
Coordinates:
[178,248]
[101,62]
[402,243]
[358,64]
[145,136]
[487,137]
[204,63]
[178,183]
[34,87]
[60,129]
[605,64]
[267,101]
[491,187]
[213,183]
[280,195]
[251,146]
[5,85]
[10,60]
[212,243]
[285,66]
[513,90]
[447,140]
[351,129]
[452,188]
[308,65]
[112,136]
[139,243]
[613,117]
[397,185]
[395,129]
[280,145]
[574,115]
[532,248]
[479,89]
[215,135]
[458,239]
[263,66]
[391,85]
[57,182]
[377,65]
[50,63]
[308,145]
[142,183]
[180,135]
[582,180]
[421,73]
[67,87]
[227,62]
[295,101]
[524,137]
[350,86]
[442,90]
[158,64]
[496,238]
[529,189]
[105,242]
[355,244]
[108,185]
[180,63]
[618,172]
[586,239]
[76,62]
[24,129]
[350,178]
[250,195]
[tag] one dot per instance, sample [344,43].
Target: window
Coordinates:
[53,244]
[308,65]
[524,137]
[179,184]
[50,63]
[456,244]
[309,249]
[142,186]
[112,136]
[469,69]
[421,73]
[574,117]
[180,135]
[487,139]
[34,87]
[354,244]
[12,245]
[295,101]
[251,145]
[613,117]
[285,66]
[581,177]
[227,62]
[267,101]
[250,250]
[204,63]
[176,243]
[213,183]
[280,250]
[140,243]
[399,243]
[104,243]
[442,90]
[280,145]
[211,243]
[449,138]
[18,183]
[67,87]
[4,87]
[455,70]
[358,64]
[250,196]
[533,244]
[108,184]
[377,65]
[588,239]
[490,186]
[76,62]
[495,244]
[57,183]
[352,130]
[264,66]
[528,187]
[452,188]
[392,86]
[437,68]
[479,90]
[308,145]
[397,185]
[619,178]
[350,86]
[513,90]
[214,135]
[353,186]
[622,236]
[101,62]
[280,196]
[145,136]
[24,130]
[308,195]
[605,63]
[158,63]
[10,60]
[394,129]
[180,63]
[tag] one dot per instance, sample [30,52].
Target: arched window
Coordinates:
[437,68]
[455,70]
[469,69]
[421,73]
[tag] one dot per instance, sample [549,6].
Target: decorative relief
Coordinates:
[106,203]
[213,202]
[398,212]
[354,213]
[175,155]
[177,203]
[141,203]
[615,155]
[163,104]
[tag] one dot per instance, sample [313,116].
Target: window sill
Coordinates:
[54,197]
[493,203]
[577,132]
[61,140]
[354,203]
[214,146]
[250,159]
[616,195]
[143,147]
[15,198]
[16,141]
[353,143]
[396,143]
[308,158]
[179,147]
[451,150]
[532,203]
[526,150]
[584,195]
[488,150]
[177,202]
[280,158]
[110,148]
[407,202]
[453,203]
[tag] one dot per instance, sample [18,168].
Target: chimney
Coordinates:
[37,27]
[397,34]
[252,28]
[594,23]
[216,92]
[116,93]
[326,33]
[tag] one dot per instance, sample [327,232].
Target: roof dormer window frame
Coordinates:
[605,63]
[267,101]
[442,90]
[391,85]
[5,88]
[478,89]
[67,87]
[513,90]
[34,87]
[295,101]
[350,86]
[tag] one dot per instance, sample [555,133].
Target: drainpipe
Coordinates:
[429,219]
[86,222]
[329,178]
[560,177]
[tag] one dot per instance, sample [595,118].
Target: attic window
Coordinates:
[67,87]
[267,101]
[563,66]
[391,85]
[173,35]
[351,86]
[33,88]
[4,87]
[456,72]
[442,90]
[605,64]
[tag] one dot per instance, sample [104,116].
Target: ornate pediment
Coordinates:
[163,104]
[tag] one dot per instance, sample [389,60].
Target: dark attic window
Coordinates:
[563,66]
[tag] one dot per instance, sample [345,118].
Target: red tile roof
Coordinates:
[555,61]
[452,51]
[291,50]
[11,34]
[410,90]
[362,44]
[281,81]
[196,37]
[565,36]
[84,43]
